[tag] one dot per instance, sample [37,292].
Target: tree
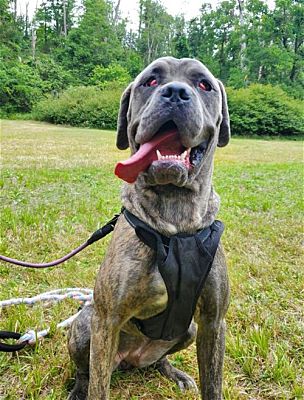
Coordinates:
[289,20]
[155,30]
[112,76]
[93,42]
[180,42]
[11,35]
[53,20]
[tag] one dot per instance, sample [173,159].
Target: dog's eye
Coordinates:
[151,82]
[204,85]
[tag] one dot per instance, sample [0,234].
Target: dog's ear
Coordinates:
[224,135]
[122,124]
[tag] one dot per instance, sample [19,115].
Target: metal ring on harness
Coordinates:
[10,348]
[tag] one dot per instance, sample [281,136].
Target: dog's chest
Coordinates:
[156,295]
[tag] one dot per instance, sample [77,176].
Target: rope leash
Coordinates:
[83,295]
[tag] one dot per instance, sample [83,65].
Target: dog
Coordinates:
[173,195]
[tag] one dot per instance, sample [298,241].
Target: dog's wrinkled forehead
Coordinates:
[172,69]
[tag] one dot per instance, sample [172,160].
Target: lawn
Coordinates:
[58,187]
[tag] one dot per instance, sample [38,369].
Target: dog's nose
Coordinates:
[176,92]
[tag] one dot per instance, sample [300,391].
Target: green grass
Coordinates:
[58,186]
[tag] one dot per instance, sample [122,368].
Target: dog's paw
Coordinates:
[183,380]
[80,390]
[77,395]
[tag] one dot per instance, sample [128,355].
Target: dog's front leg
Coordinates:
[104,344]
[210,352]
[210,318]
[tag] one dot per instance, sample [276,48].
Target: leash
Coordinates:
[84,295]
[97,235]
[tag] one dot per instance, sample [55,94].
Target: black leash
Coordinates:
[10,348]
[99,234]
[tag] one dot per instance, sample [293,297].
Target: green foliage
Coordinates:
[156,28]
[265,110]
[87,42]
[113,75]
[20,87]
[256,110]
[93,42]
[23,84]
[81,106]
[11,35]
[55,77]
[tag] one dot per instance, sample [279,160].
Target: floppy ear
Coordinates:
[122,124]
[224,134]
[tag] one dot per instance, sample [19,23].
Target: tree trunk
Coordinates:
[243,36]
[15,10]
[116,13]
[26,19]
[34,38]
[64,19]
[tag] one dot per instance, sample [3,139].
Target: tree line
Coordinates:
[71,43]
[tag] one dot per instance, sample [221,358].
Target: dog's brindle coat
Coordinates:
[170,198]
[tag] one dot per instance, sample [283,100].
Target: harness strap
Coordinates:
[184,262]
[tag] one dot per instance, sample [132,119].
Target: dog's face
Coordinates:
[179,96]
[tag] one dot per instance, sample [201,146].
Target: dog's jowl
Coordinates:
[163,283]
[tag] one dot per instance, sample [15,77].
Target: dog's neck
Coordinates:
[170,209]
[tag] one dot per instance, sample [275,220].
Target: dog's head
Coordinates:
[172,117]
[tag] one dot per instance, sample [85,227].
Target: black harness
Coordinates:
[184,262]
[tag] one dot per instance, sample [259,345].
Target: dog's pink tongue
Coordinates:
[128,170]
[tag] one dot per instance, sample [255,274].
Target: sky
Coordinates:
[129,7]
[190,8]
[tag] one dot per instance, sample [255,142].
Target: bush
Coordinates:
[54,76]
[86,106]
[111,76]
[265,110]
[20,87]
[256,110]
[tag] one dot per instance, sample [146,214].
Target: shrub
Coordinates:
[20,87]
[265,110]
[111,76]
[81,106]
[256,110]
[54,76]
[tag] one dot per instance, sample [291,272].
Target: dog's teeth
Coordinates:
[184,155]
[171,156]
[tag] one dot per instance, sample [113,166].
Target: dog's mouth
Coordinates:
[165,149]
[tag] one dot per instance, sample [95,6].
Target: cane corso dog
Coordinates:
[173,116]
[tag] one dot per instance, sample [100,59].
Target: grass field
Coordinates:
[58,186]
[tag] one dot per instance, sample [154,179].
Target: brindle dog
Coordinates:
[171,197]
